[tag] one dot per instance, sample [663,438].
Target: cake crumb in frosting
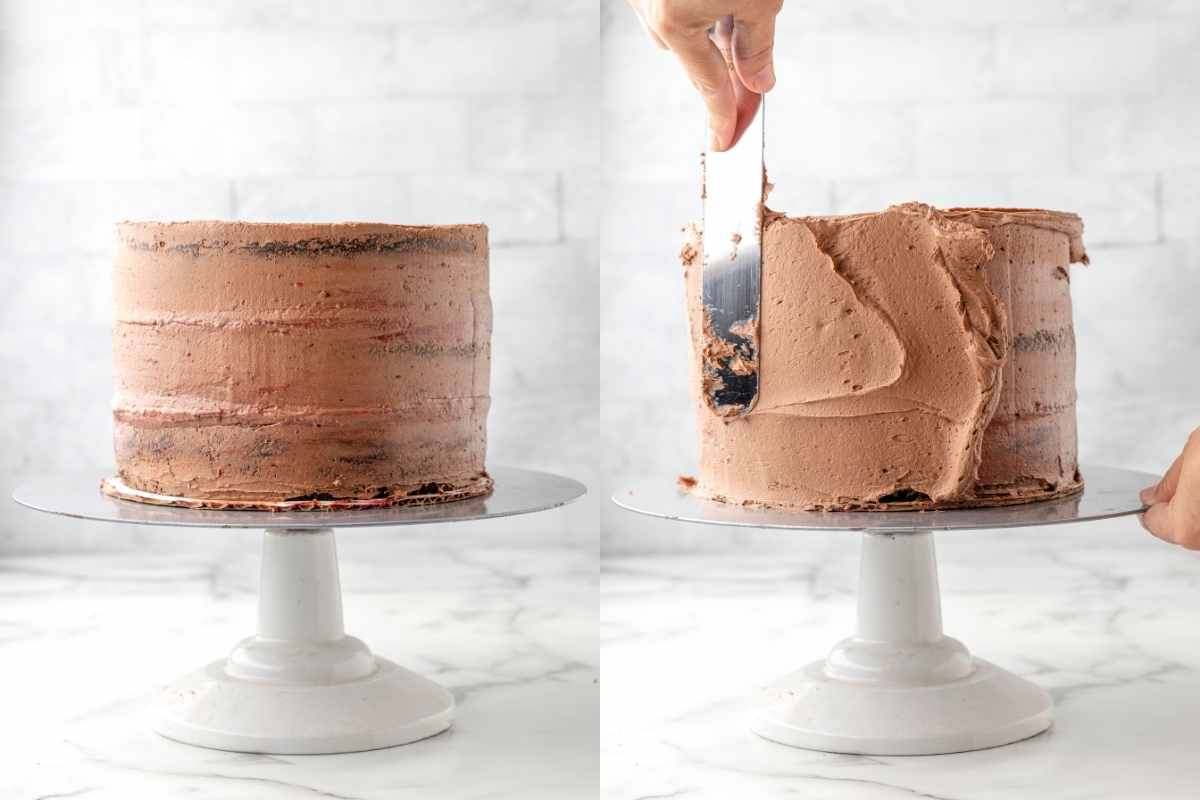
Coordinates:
[688,254]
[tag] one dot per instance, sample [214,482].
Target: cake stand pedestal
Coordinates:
[300,685]
[899,685]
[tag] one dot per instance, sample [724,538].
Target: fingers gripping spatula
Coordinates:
[732,272]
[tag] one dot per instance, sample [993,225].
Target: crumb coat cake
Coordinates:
[912,358]
[300,366]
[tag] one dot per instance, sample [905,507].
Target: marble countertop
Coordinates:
[1102,615]
[85,641]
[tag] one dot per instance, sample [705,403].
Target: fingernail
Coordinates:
[714,141]
[765,79]
[1147,494]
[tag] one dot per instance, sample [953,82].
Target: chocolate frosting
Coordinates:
[910,358]
[266,363]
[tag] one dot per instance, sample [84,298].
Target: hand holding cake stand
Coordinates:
[898,685]
[301,685]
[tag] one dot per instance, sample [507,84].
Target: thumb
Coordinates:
[1157,520]
[705,66]
[1164,490]
[754,48]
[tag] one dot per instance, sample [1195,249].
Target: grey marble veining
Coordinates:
[1101,615]
[85,640]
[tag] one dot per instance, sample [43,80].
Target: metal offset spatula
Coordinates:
[732,272]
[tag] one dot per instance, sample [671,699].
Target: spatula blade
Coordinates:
[732,272]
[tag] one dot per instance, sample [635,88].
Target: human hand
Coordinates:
[1174,512]
[731,67]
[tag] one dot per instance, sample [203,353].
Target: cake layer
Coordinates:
[908,359]
[1029,446]
[268,362]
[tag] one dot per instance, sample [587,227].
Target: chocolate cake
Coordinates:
[272,366]
[912,358]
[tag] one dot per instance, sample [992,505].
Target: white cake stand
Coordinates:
[300,684]
[898,686]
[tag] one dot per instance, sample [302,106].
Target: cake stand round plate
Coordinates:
[898,685]
[300,684]
[517,491]
[1107,492]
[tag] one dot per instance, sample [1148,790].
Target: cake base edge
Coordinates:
[996,500]
[445,493]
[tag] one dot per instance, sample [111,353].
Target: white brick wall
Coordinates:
[396,111]
[1084,105]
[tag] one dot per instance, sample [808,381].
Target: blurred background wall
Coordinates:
[308,110]
[1092,107]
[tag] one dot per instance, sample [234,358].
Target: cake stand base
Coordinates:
[900,687]
[300,685]
[988,708]
[391,706]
